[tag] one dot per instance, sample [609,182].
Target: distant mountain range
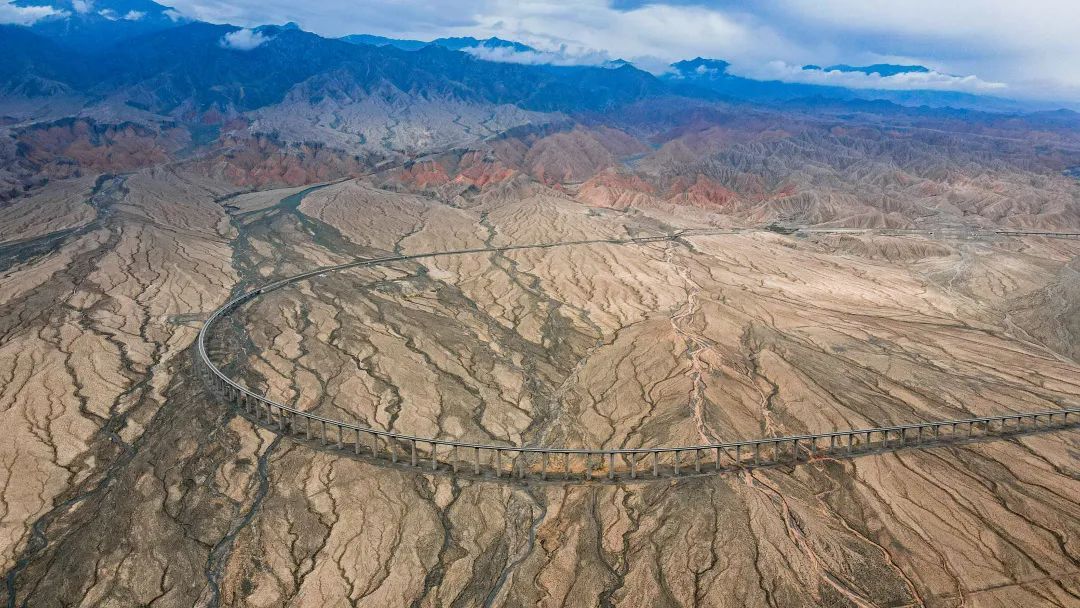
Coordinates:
[193,66]
[148,57]
[713,74]
[96,24]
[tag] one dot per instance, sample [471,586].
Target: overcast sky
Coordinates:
[1013,48]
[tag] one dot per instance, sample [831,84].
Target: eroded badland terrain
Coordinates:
[126,482]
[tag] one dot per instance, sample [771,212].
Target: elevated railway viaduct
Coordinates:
[586,464]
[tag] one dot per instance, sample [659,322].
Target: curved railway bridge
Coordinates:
[584,464]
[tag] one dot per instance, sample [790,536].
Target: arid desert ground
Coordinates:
[127,482]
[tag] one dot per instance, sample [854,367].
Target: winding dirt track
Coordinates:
[576,464]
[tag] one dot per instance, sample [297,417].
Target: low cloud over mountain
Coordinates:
[243,40]
[868,78]
[89,24]
[27,15]
[999,41]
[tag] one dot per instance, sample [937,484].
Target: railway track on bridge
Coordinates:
[558,464]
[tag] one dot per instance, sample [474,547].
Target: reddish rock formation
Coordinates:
[615,190]
[263,162]
[70,146]
[701,192]
[577,155]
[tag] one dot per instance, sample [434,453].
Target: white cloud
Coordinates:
[659,30]
[243,40]
[1032,45]
[173,15]
[561,56]
[82,6]
[134,15]
[931,80]
[27,15]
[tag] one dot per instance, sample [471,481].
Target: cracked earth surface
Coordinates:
[125,484]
